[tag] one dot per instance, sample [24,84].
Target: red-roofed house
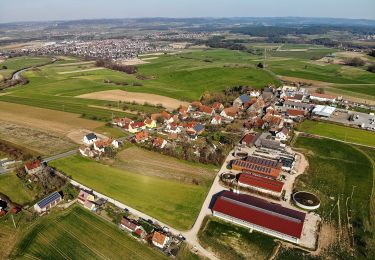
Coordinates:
[260,215]
[229,113]
[141,137]
[206,110]
[216,120]
[121,122]
[33,167]
[249,139]
[136,127]
[294,113]
[150,123]
[218,107]
[160,240]
[264,185]
[159,142]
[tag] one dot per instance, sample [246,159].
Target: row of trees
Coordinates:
[129,69]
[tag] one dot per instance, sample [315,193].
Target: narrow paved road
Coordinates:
[60,156]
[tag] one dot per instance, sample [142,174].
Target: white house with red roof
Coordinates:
[33,167]
[159,239]
[136,127]
[216,120]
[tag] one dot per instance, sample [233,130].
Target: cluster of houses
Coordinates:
[158,238]
[93,146]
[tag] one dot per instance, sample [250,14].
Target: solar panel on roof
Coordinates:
[47,200]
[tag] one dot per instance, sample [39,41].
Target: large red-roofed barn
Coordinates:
[265,185]
[260,215]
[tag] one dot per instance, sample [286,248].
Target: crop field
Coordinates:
[342,177]
[344,133]
[79,234]
[42,130]
[234,242]
[15,189]
[162,166]
[172,202]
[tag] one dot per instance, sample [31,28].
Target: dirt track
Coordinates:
[140,98]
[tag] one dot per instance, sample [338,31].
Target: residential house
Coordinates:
[141,137]
[33,167]
[159,239]
[249,139]
[84,196]
[206,110]
[323,97]
[194,106]
[241,101]
[159,142]
[216,120]
[129,224]
[254,93]
[229,113]
[150,123]
[217,106]
[295,113]
[184,112]
[48,202]
[256,109]
[296,98]
[121,122]
[136,127]
[283,135]
[196,114]
[90,138]
[102,144]
[173,128]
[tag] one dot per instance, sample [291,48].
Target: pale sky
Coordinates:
[40,10]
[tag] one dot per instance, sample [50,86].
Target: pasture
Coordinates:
[344,133]
[229,241]
[15,189]
[342,177]
[79,234]
[172,202]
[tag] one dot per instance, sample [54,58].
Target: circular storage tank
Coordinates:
[228,176]
[306,200]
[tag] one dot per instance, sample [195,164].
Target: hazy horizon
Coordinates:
[53,10]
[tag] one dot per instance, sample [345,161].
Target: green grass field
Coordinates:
[172,202]
[79,234]
[14,64]
[339,132]
[228,241]
[15,189]
[338,171]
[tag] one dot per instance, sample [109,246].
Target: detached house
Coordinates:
[184,112]
[323,97]
[150,123]
[34,167]
[283,135]
[241,101]
[229,113]
[121,122]
[206,110]
[218,107]
[141,137]
[159,142]
[159,240]
[194,106]
[173,128]
[136,127]
[196,130]
[216,120]
[102,144]
[90,138]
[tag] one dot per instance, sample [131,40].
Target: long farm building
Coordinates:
[260,215]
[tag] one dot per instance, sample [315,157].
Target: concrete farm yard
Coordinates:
[153,187]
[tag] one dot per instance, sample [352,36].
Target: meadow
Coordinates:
[79,234]
[20,63]
[15,189]
[344,133]
[229,241]
[342,177]
[172,202]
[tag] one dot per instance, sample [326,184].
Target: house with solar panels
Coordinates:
[260,215]
[48,202]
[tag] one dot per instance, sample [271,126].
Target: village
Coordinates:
[255,186]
